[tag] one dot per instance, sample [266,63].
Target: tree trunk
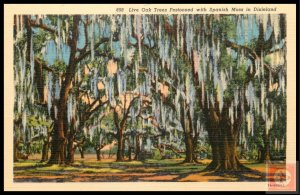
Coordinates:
[259,154]
[120,152]
[223,142]
[70,151]
[72,144]
[123,148]
[129,153]
[16,143]
[129,149]
[189,148]
[189,142]
[45,150]
[188,139]
[265,156]
[137,147]
[98,153]
[58,144]
[81,150]
[62,150]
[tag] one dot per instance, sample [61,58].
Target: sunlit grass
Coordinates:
[28,163]
[129,163]
[164,161]
[101,170]
[57,168]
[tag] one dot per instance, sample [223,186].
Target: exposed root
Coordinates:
[221,167]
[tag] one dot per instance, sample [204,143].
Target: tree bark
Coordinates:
[259,152]
[58,145]
[129,149]
[98,152]
[98,155]
[81,150]
[265,150]
[16,143]
[123,148]
[188,138]
[189,142]
[137,147]
[189,149]
[223,139]
[224,154]
[45,150]
[70,151]
[40,82]
[120,151]
[129,154]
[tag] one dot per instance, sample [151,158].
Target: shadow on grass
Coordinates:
[23,168]
[245,175]
[248,175]
[134,171]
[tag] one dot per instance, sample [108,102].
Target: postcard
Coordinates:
[150,97]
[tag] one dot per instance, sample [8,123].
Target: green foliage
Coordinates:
[36,121]
[102,70]
[39,40]
[226,61]
[141,78]
[130,81]
[278,155]
[249,155]
[252,44]
[259,129]
[108,122]
[94,64]
[241,74]
[20,42]
[210,86]
[225,27]
[59,66]
[267,60]
[169,154]
[182,65]
[156,155]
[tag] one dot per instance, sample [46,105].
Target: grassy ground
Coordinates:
[106,170]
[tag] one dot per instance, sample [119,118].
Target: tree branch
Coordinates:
[34,23]
[128,109]
[91,111]
[249,52]
[116,119]
[83,55]
[44,65]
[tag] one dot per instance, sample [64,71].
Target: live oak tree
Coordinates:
[224,70]
[56,60]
